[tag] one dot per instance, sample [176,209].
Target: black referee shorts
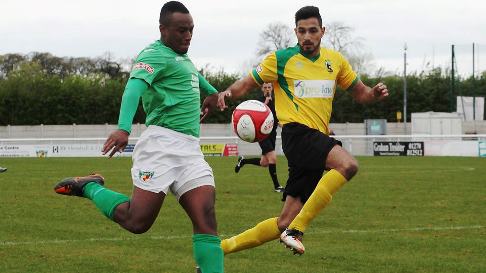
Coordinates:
[268,144]
[306,150]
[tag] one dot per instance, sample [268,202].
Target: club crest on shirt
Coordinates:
[259,68]
[145,176]
[328,66]
[143,66]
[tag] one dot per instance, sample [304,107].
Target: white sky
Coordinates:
[227,32]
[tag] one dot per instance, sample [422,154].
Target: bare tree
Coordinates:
[274,37]
[361,62]
[339,37]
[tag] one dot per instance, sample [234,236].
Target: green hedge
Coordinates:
[34,92]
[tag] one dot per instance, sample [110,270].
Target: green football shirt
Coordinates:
[173,97]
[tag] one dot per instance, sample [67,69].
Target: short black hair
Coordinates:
[169,8]
[308,12]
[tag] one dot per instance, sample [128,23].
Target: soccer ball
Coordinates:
[252,121]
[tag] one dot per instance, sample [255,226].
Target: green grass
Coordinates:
[399,214]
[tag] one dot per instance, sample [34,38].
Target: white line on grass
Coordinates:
[55,241]
[398,229]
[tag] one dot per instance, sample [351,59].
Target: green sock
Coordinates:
[208,253]
[105,200]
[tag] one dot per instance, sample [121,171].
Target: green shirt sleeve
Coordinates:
[148,66]
[131,96]
[205,86]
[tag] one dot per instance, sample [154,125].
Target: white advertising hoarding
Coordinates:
[50,150]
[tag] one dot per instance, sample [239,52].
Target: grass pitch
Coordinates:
[399,214]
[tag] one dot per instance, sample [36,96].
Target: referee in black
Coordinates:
[269,156]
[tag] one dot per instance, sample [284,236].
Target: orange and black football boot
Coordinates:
[74,185]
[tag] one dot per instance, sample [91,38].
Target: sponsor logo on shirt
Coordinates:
[143,66]
[195,82]
[314,88]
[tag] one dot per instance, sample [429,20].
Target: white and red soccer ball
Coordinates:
[252,121]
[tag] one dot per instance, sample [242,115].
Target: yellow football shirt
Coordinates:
[304,87]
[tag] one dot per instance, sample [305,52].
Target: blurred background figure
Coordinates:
[269,156]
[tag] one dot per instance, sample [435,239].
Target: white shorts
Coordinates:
[164,159]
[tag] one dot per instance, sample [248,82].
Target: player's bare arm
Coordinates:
[236,90]
[365,94]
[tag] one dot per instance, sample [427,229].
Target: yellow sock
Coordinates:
[263,232]
[319,199]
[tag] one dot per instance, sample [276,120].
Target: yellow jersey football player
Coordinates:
[305,78]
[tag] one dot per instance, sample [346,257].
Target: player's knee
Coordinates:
[209,212]
[263,161]
[271,161]
[139,228]
[351,168]
[206,223]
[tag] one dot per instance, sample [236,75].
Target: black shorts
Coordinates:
[306,150]
[268,144]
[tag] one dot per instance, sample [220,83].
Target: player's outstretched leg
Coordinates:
[263,232]
[74,185]
[320,198]
[91,187]
[242,161]
[239,164]
[2,169]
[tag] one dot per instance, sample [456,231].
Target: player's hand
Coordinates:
[267,100]
[116,142]
[380,91]
[221,96]
[208,104]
